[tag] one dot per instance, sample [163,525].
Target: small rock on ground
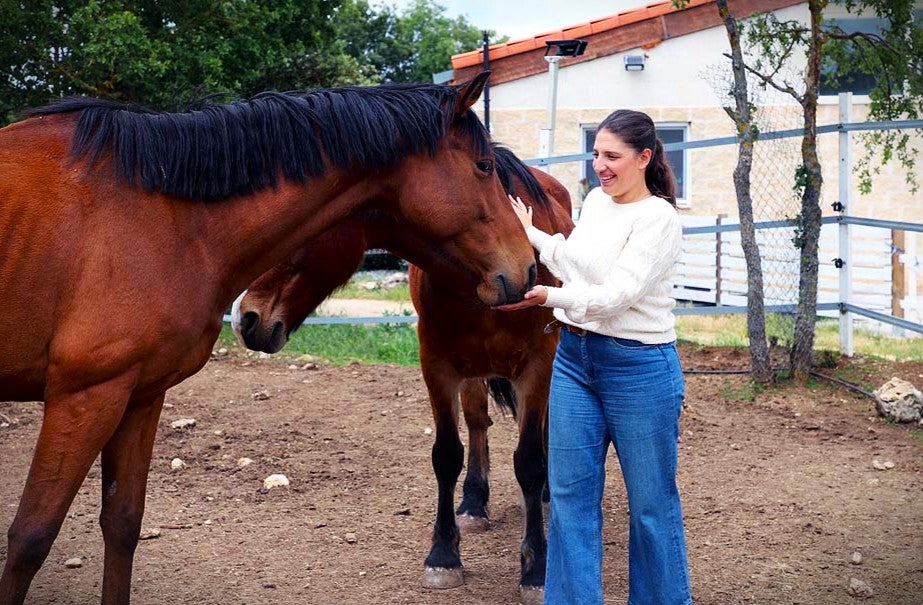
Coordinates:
[74,563]
[277,480]
[150,534]
[859,589]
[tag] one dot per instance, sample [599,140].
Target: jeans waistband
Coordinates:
[584,332]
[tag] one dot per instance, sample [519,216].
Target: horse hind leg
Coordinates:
[125,464]
[74,430]
[443,567]
[471,514]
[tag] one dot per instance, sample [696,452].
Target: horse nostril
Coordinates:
[503,284]
[249,323]
[533,277]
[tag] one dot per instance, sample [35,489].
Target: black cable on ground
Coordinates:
[706,372]
[843,383]
[852,387]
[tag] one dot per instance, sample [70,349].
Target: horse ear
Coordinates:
[470,92]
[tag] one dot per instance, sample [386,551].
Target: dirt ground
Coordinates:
[779,492]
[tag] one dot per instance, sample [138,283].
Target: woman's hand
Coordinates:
[523,212]
[538,295]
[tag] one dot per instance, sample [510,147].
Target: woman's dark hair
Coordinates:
[636,129]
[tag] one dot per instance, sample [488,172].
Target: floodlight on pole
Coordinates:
[561,48]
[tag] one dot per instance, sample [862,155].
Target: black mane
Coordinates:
[240,147]
[509,167]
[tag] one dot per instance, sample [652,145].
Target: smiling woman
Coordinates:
[616,377]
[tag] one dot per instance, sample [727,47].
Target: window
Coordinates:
[668,133]
[832,80]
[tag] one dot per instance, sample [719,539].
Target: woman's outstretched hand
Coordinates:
[523,212]
[538,295]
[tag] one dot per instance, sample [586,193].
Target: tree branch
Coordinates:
[767,81]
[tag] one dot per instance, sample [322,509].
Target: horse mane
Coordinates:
[221,150]
[509,167]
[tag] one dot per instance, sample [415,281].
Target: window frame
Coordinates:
[586,170]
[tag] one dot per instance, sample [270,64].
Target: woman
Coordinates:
[617,377]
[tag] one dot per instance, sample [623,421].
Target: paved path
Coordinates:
[349,307]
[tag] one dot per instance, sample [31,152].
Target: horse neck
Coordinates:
[248,235]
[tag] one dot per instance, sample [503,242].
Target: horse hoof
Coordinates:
[443,577]
[469,524]
[531,595]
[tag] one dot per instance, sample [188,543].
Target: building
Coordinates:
[681,86]
[670,64]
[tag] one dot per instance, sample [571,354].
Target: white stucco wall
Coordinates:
[675,87]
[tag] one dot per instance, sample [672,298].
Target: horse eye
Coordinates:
[485,166]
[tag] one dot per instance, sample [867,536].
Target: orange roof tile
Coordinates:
[596,26]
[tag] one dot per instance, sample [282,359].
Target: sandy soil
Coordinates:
[778,492]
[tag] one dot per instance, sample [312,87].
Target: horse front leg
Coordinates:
[471,514]
[443,567]
[126,460]
[529,461]
[75,428]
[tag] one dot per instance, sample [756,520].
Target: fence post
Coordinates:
[718,261]
[845,199]
[898,286]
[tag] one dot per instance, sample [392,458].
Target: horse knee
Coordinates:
[28,547]
[448,458]
[120,529]
[529,465]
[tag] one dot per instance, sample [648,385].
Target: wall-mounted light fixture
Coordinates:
[635,62]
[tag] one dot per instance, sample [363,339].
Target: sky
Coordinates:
[526,18]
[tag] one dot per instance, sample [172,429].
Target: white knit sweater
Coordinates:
[617,268]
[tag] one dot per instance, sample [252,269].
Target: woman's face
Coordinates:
[620,168]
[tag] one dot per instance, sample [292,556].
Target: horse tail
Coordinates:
[503,393]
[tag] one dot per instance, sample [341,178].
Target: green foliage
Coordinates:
[405,47]
[166,53]
[895,57]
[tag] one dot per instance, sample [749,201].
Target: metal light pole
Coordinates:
[563,48]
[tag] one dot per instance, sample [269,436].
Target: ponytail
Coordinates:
[659,175]
[636,129]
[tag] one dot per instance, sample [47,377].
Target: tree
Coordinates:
[894,56]
[164,53]
[741,113]
[405,47]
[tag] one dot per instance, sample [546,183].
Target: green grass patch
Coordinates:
[341,344]
[747,391]
[731,330]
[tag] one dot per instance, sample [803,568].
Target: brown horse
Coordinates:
[462,341]
[114,286]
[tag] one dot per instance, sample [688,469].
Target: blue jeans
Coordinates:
[604,390]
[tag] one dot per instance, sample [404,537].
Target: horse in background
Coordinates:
[127,233]
[462,343]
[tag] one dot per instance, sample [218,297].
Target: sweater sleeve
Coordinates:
[648,257]
[550,249]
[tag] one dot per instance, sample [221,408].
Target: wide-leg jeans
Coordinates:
[609,390]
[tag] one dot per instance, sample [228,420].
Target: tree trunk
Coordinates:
[760,367]
[811,180]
